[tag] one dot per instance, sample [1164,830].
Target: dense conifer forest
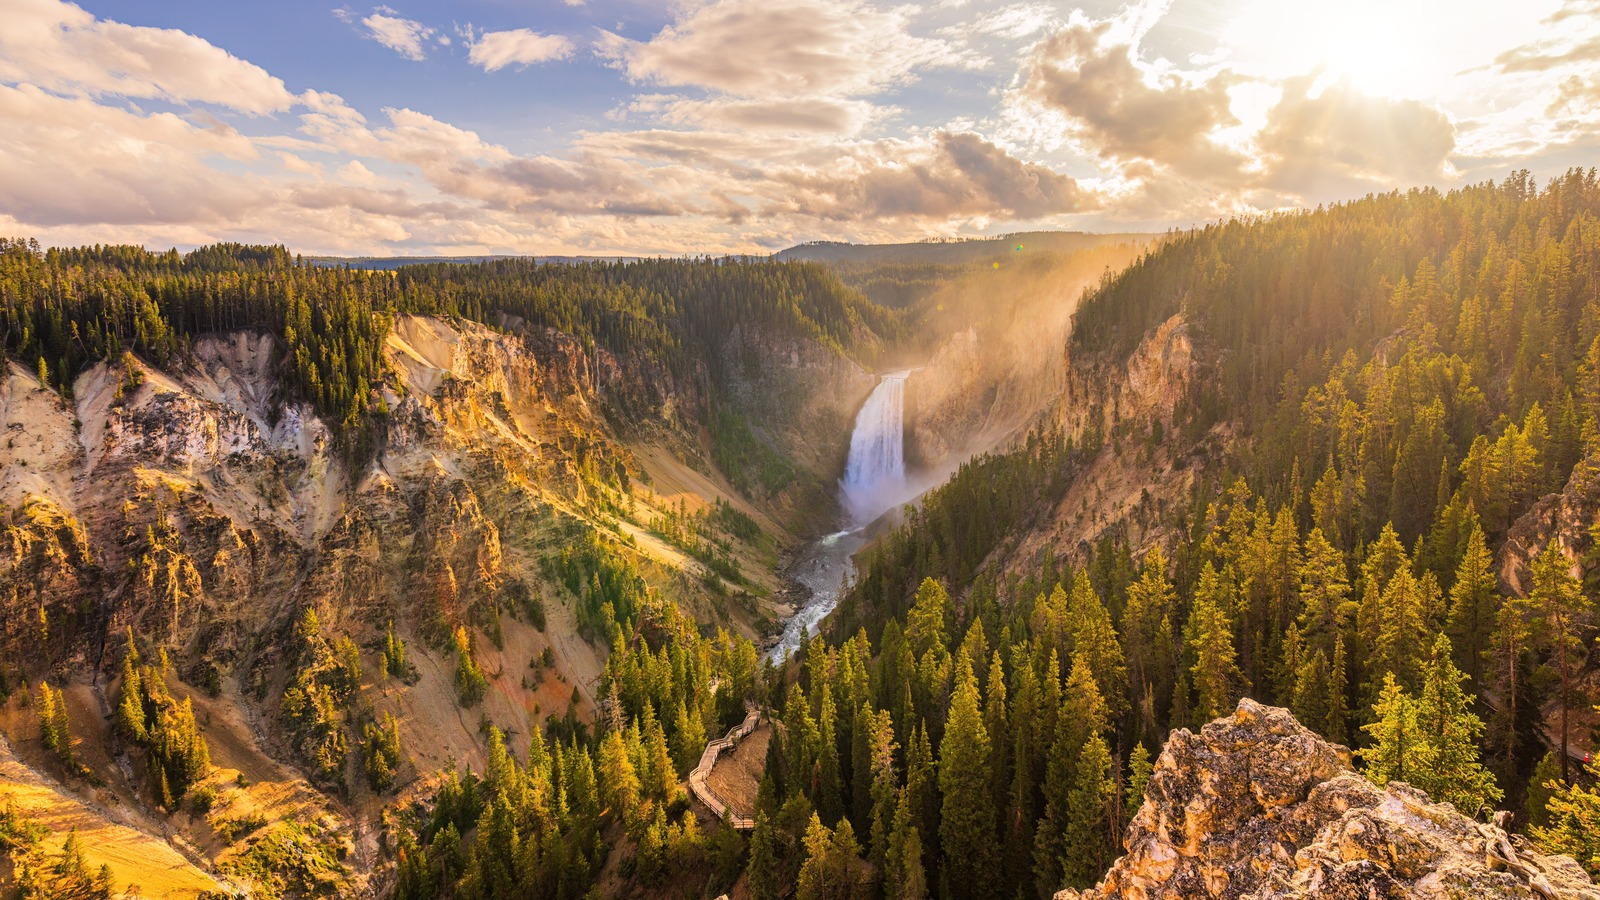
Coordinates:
[1386,389]
[62,309]
[1399,379]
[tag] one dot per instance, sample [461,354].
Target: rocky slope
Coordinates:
[195,509]
[1256,806]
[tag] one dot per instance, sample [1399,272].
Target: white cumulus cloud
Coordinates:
[404,36]
[63,48]
[520,47]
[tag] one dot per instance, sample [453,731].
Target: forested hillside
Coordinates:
[1366,482]
[64,308]
[428,582]
[1345,461]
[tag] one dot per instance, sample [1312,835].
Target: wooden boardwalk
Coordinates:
[697,778]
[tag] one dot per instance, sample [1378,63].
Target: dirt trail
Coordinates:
[737,776]
[700,779]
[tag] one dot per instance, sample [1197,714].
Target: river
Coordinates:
[874,482]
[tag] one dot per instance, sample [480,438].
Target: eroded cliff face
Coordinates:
[802,394]
[1256,806]
[997,368]
[1141,467]
[1101,394]
[197,510]
[1566,517]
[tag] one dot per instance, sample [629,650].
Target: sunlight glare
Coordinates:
[1381,47]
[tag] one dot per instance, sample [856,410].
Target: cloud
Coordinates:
[1124,109]
[1339,142]
[404,36]
[72,160]
[498,49]
[1014,22]
[1547,55]
[953,176]
[1574,40]
[62,48]
[754,123]
[798,116]
[840,48]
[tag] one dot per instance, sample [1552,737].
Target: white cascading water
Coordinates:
[875,475]
[874,482]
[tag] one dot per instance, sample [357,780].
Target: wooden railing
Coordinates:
[708,760]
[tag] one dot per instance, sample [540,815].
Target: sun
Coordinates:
[1382,48]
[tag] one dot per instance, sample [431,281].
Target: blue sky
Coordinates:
[608,126]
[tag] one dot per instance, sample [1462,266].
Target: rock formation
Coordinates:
[1257,807]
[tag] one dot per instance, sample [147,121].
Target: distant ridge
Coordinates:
[394,262]
[956,252]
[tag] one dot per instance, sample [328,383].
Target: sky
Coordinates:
[745,126]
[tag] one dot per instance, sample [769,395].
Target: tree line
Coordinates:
[64,308]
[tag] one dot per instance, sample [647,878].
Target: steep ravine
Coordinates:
[195,509]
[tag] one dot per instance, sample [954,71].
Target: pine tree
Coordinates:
[1139,770]
[1089,836]
[928,623]
[130,701]
[1451,769]
[394,655]
[1324,593]
[617,777]
[1397,748]
[1573,814]
[831,870]
[1400,627]
[921,792]
[862,730]
[470,681]
[1082,717]
[828,798]
[1094,639]
[996,720]
[1021,809]
[1148,637]
[1542,785]
[1312,691]
[48,721]
[897,863]
[1559,607]
[915,884]
[1473,602]
[885,795]
[966,818]
[763,873]
[1050,847]
[905,873]
[1512,637]
[1216,672]
[1337,725]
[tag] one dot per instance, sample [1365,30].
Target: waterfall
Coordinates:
[874,482]
[875,475]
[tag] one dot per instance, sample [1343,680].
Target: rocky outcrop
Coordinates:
[1257,807]
[1147,386]
[1566,516]
[46,568]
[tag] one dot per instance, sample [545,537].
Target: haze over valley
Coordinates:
[799,449]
